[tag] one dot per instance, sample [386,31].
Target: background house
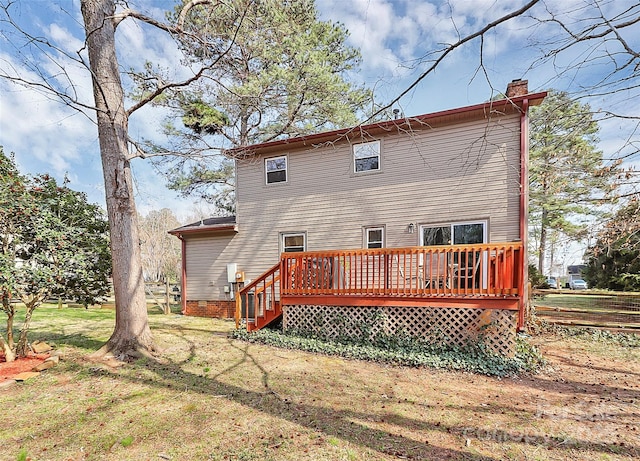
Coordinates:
[446,178]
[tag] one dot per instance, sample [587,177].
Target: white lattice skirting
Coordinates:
[448,325]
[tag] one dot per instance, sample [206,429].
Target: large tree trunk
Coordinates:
[131,335]
[542,246]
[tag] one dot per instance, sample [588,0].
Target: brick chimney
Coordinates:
[517,88]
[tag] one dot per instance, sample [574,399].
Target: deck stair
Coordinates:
[258,303]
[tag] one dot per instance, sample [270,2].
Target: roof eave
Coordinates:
[205,230]
[533,99]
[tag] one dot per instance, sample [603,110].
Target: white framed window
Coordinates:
[454,233]
[464,266]
[374,237]
[275,169]
[366,156]
[293,241]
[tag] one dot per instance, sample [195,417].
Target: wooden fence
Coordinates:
[163,294]
[608,310]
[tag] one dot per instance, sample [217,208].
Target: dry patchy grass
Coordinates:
[214,398]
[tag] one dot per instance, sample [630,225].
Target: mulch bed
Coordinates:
[11,369]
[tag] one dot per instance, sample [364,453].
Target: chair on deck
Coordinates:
[465,275]
[435,270]
[430,270]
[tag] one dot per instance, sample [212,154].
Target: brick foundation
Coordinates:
[216,309]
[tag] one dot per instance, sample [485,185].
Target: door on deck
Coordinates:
[464,266]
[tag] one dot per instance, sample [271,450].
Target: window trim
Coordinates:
[283,235]
[355,147]
[485,239]
[452,224]
[366,240]
[286,169]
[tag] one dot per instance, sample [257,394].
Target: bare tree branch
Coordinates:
[172,29]
[446,51]
[162,88]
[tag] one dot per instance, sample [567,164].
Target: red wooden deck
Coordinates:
[487,276]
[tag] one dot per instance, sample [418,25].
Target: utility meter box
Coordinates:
[232,268]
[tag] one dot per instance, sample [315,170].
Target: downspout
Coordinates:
[183,278]
[523,285]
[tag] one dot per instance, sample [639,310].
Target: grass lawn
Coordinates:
[215,398]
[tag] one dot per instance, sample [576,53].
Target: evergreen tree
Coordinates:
[54,244]
[568,177]
[614,261]
[276,71]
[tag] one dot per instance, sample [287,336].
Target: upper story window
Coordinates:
[374,237]
[292,242]
[366,156]
[276,169]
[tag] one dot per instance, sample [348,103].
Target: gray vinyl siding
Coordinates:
[207,258]
[463,172]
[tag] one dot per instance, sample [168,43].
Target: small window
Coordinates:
[366,156]
[293,242]
[276,169]
[374,237]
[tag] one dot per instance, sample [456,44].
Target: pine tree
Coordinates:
[568,177]
[279,72]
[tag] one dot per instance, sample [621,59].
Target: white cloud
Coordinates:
[138,43]
[48,136]
[400,39]
[393,36]
[390,33]
[63,38]
[37,124]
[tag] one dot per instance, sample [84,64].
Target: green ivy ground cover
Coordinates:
[473,357]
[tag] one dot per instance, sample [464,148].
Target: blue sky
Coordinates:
[397,39]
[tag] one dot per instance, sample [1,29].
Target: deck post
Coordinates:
[522,267]
[238,309]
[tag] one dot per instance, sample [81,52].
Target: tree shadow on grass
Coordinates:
[353,426]
[578,388]
[356,427]
[347,425]
[82,340]
[572,363]
[77,340]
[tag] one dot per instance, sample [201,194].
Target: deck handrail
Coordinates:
[449,273]
[479,270]
[258,287]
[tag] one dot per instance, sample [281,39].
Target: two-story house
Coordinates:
[419,212]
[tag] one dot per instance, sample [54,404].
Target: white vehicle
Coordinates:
[578,284]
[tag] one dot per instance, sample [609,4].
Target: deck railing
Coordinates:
[259,301]
[486,270]
[449,273]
